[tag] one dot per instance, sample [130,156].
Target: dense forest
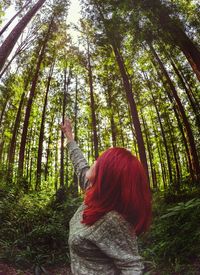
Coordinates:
[130,80]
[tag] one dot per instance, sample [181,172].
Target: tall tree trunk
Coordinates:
[188,130]
[174,148]
[41,137]
[56,173]
[13,18]
[75,178]
[30,101]
[48,150]
[3,110]
[160,155]
[29,156]
[190,96]
[62,155]
[133,108]
[121,128]
[17,52]
[149,148]
[2,142]
[11,153]
[92,103]
[76,112]
[164,139]
[112,123]
[180,126]
[12,38]
[189,49]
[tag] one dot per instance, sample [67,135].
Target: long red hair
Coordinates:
[120,184]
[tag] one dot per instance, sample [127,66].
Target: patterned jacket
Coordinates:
[108,247]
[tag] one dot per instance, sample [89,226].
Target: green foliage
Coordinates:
[34,229]
[174,238]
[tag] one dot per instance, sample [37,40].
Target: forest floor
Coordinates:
[6,269]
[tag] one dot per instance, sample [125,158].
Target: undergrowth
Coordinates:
[34,231]
[34,228]
[173,243]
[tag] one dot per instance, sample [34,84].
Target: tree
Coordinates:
[31,97]
[12,38]
[13,18]
[41,137]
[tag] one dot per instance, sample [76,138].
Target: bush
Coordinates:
[34,229]
[174,238]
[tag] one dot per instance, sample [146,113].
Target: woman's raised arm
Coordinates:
[79,162]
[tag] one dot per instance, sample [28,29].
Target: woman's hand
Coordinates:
[67,130]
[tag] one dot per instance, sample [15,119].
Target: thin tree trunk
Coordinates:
[178,174]
[17,52]
[62,155]
[180,126]
[92,104]
[75,178]
[2,142]
[188,130]
[160,155]
[13,18]
[163,135]
[41,137]
[190,97]
[146,132]
[112,123]
[76,112]
[3,110]
[46,172]
[12,38]
[30,101]
[11,153]
[121,130]
[29,157]
[56,162]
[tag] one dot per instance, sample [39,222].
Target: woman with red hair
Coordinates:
[116,209]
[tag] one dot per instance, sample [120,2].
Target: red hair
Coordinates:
[120,184]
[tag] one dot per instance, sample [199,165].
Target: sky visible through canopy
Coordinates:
[72,19]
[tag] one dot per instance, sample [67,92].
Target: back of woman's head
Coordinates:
[120,184]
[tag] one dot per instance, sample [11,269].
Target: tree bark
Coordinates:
[164,140]
[13,18]
[76,112]
[41,137]
[62,154]
[188,130]
[174,148]
[48,150]
[12,148]
[92,103]
[3,110]
[149,148]
[112,122]
[133,108]
[180,126]
[12,38]
[30,101]
[190,96]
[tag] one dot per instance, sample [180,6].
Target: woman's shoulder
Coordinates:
[112,228]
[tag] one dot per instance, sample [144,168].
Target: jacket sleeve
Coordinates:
[79,162]
[114,238]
